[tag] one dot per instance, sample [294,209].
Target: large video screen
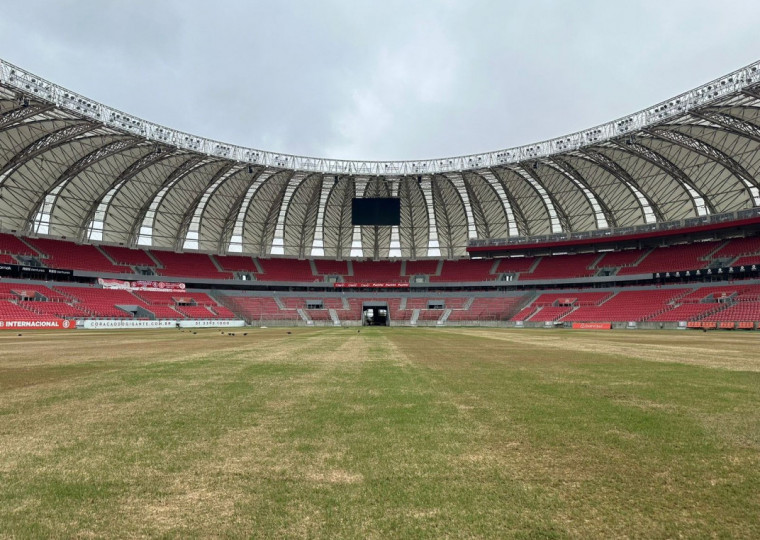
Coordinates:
[376,211]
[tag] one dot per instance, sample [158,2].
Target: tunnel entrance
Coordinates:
[375,314]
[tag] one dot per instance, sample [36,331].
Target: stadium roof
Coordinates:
[71,167]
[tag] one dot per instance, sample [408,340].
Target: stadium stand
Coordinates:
[61,254]
[128,257]
[14,246]
[188,264]
[286,270]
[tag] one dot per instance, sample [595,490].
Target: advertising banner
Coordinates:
[375,285]
[592,326]
[119,324]
[162,286]
[53,324]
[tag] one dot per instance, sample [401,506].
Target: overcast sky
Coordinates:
[380,80]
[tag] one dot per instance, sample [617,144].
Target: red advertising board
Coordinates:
[52,324]
[592,326]
[375,285]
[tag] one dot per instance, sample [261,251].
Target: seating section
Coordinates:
[516,265]
[29,290]
[416,268]
[11,311]
[331,268]
[286,270]
[119,259]
[564,266]
[261,309]
[633,305]
[101,303]
[73,256]
[128,257]
[14,246]
[57,309]
[618,259]
[487,309]
[465,270]
[738,247]
[188,265]
[673,259]
[383,271]
[236,263]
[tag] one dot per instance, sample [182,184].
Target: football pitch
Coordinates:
[382,432]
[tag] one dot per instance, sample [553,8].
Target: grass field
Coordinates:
[384,433]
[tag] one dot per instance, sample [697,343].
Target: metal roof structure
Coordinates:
[71,167]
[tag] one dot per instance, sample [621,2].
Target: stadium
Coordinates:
[186,349]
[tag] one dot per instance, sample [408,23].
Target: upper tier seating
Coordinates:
[75,256]
[367,271]
[737,247]
[128,257]
[426,267]
[620,258]
[673,259]
[286,270]
[563,266]
[12,245]
[7,259]
[331,268]
[188,265]
[747,260]
[515,265]
[236,263]
[465,270]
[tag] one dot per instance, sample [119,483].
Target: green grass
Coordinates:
[421,433]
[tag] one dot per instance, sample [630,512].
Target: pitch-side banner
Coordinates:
[164,286]
[54,324]
[592,326]
[117,324]
[376,285]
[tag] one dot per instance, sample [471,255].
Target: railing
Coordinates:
[619,231]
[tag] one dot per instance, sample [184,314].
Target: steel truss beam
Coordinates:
[99,204]
[568,171]
[700,202]
[552,205]
[612,167]
[13,117]
[42,145]
[707,150]
[211,185]
[729,122]
[180,172]
[49,199]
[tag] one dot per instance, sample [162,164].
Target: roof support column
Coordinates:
[278,242]
[360,185]
[318,244]
[433,249]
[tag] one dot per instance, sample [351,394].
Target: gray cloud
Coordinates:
[370,80]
